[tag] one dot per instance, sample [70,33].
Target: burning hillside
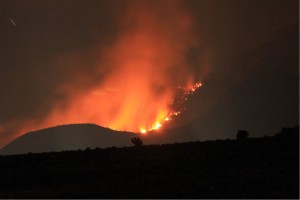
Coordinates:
[145,76]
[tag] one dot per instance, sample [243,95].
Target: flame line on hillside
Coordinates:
[159,123]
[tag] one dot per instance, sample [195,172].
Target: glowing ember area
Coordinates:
[183,96]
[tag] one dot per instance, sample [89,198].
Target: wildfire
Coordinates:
[194,88]
[143,131]
[183,95]
[141,80]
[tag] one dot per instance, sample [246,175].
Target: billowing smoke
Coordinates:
[134,79]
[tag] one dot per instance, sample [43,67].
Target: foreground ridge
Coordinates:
[266,167]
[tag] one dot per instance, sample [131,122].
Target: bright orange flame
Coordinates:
[156,126]
[143,131]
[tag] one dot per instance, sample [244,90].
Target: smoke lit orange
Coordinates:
[144,68]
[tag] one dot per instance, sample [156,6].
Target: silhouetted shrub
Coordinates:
[288,133]
[242,134]
[137,141]
[88,149]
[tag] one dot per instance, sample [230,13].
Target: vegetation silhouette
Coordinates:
[137,141]
[242,135]
[266,167]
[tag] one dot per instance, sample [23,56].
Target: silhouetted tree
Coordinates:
[242,134]
[88,149]
[288,132]
[137,141]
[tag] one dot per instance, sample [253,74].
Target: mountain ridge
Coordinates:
[67,137]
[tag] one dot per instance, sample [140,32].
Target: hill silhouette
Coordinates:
[266,167]
[67,137]
[82,136]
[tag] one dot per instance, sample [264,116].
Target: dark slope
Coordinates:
[252,168]
[82,136]
[257,90]
[67,137]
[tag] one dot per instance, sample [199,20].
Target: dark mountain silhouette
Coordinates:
[251,168]
[82,136]
[67,137]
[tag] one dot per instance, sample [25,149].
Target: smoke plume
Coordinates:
[134,79]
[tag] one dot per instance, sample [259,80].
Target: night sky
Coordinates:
[245,52]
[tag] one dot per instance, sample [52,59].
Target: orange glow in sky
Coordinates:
[146,63]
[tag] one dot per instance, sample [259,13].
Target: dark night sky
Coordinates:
[247,58]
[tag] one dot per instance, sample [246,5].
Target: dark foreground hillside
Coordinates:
[251,168]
